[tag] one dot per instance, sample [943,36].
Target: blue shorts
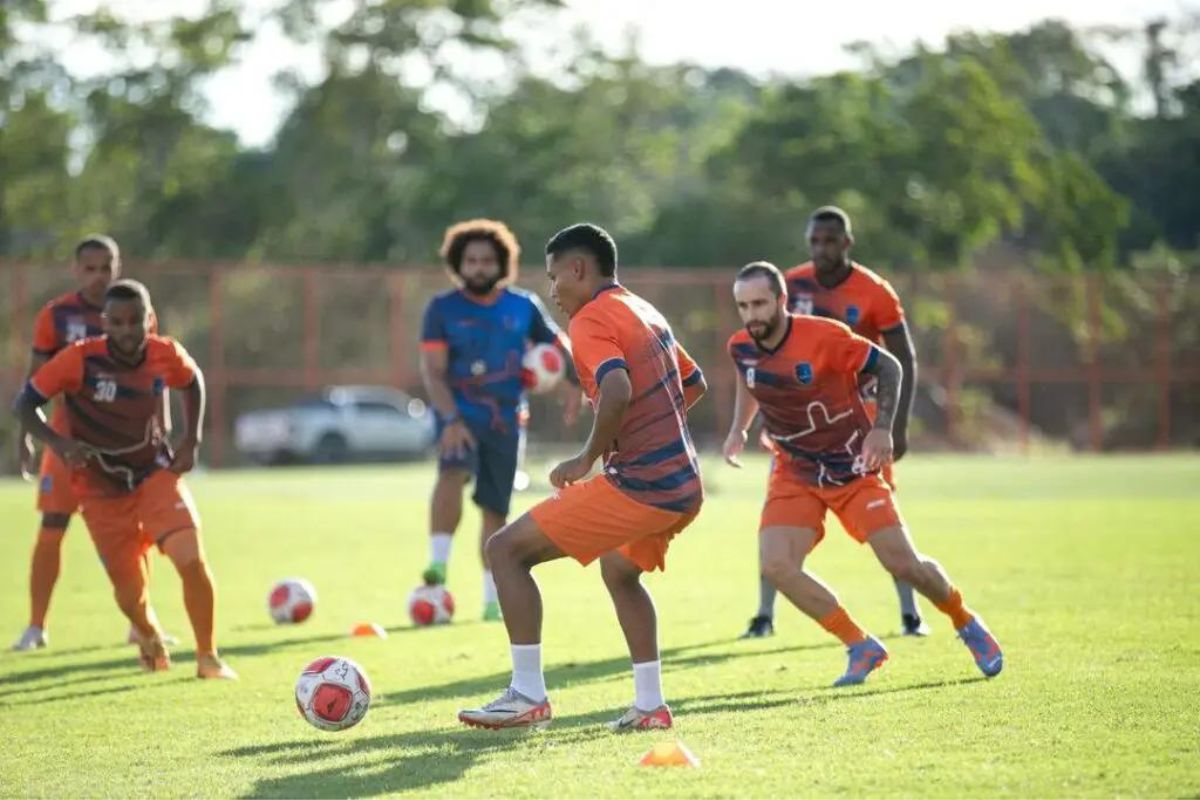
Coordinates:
[493,465]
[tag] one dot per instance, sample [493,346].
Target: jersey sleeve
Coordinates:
[433,328]
[45,337]
[180,369]
[595,348]
[889,314]
[542,327]
[689,372]
[846,351]
[62,374]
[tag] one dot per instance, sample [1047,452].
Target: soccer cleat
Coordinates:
[434,574]
[983,646]
[212,667]
[168,639]
[865,657]
[510,710]
[637,720]
[760,627]
[33,638]
[491,612]
[152,653]
[913,625]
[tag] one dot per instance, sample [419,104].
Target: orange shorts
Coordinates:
[591,518]
[124,527]
[863,506]
[55,493]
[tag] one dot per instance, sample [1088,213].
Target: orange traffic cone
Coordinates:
[670,754]
[369,629]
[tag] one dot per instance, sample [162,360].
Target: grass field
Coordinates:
[1088,570]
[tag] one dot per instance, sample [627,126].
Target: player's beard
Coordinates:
[761,331]
[481,287]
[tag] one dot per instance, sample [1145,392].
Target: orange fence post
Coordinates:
[724,381]
[1024,390]
[1094,378]
[218,378]
[950,375]
[398,336]
[1163,365]
[312,330]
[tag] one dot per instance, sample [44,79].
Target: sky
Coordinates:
[762,37]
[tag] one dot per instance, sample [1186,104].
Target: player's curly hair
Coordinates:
[458,236]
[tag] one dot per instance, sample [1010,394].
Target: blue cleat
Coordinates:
[983,646]
[865,657]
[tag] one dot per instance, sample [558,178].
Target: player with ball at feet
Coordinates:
[803,373]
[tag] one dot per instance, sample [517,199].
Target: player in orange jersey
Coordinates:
[804,373]
[640,382]
[65,319]
[124,472]
[833,286]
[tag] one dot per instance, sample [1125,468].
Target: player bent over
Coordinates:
[640,382]
[803,373]
[132,495]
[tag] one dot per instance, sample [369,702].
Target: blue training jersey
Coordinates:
[485,342]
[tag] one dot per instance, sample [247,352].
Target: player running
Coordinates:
[804,374]
[472,342]
[65,319]
[127,478]
[833,286]
[640,382]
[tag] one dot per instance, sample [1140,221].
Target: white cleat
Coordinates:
[510,710]
[635,719]
[34,638]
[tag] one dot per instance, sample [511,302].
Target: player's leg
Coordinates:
[445,512]
[911,623]
[494,480]
[895,551]
[132,637]
[512,554]
[762,624]
[56,502]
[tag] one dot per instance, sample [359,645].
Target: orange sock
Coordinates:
[43,573]
[953,607]
[199,598]
[841,625]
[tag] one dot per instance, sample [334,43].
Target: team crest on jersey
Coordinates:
[852,315]
[158,385]
[478,367]
[802,304]
[76,329]
[47,484]
[804,372]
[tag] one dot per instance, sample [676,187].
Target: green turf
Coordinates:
[1088,570]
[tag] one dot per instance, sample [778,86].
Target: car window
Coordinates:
[377,407]
[314,403]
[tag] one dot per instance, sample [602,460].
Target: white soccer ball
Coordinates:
[542,368]
[292,600]
[430,605]
[333,693]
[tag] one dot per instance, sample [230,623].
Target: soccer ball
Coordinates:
[333,693]
[430,605]
[542,368]
[292,600]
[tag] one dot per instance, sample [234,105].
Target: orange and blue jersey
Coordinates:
[114,407]
[864,301]
[807,389]
[653,460]
[485,340]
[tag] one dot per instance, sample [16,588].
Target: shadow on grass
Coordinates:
[137,681]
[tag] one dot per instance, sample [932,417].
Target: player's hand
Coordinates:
[74,453]
[877,449]
[572,402]
[185,456]
[26,458]
[765,441]
[570,471]
[735,443]
[456,440]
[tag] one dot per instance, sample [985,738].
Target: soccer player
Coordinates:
[833,286]
[804,373]
[472,342]
[128,479]
[65,319]
[640,382]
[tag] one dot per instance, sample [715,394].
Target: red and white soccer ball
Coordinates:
[333,693]
[542,368]
[292,600]
[430,605]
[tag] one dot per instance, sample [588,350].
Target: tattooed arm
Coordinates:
[877,447]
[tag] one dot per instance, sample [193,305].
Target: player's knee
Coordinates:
[903,565]
[618,572]
[777,566]
[498,549]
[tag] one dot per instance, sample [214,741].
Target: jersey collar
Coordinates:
[612,287]
[487,300]
[773,350]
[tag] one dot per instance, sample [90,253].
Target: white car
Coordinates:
[342,423]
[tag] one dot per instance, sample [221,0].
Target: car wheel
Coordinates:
[331,449]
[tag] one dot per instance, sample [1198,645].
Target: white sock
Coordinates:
[647,685]
[527,675]
[439,547]
[489,587]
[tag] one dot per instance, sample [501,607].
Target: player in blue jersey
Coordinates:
[472,341]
